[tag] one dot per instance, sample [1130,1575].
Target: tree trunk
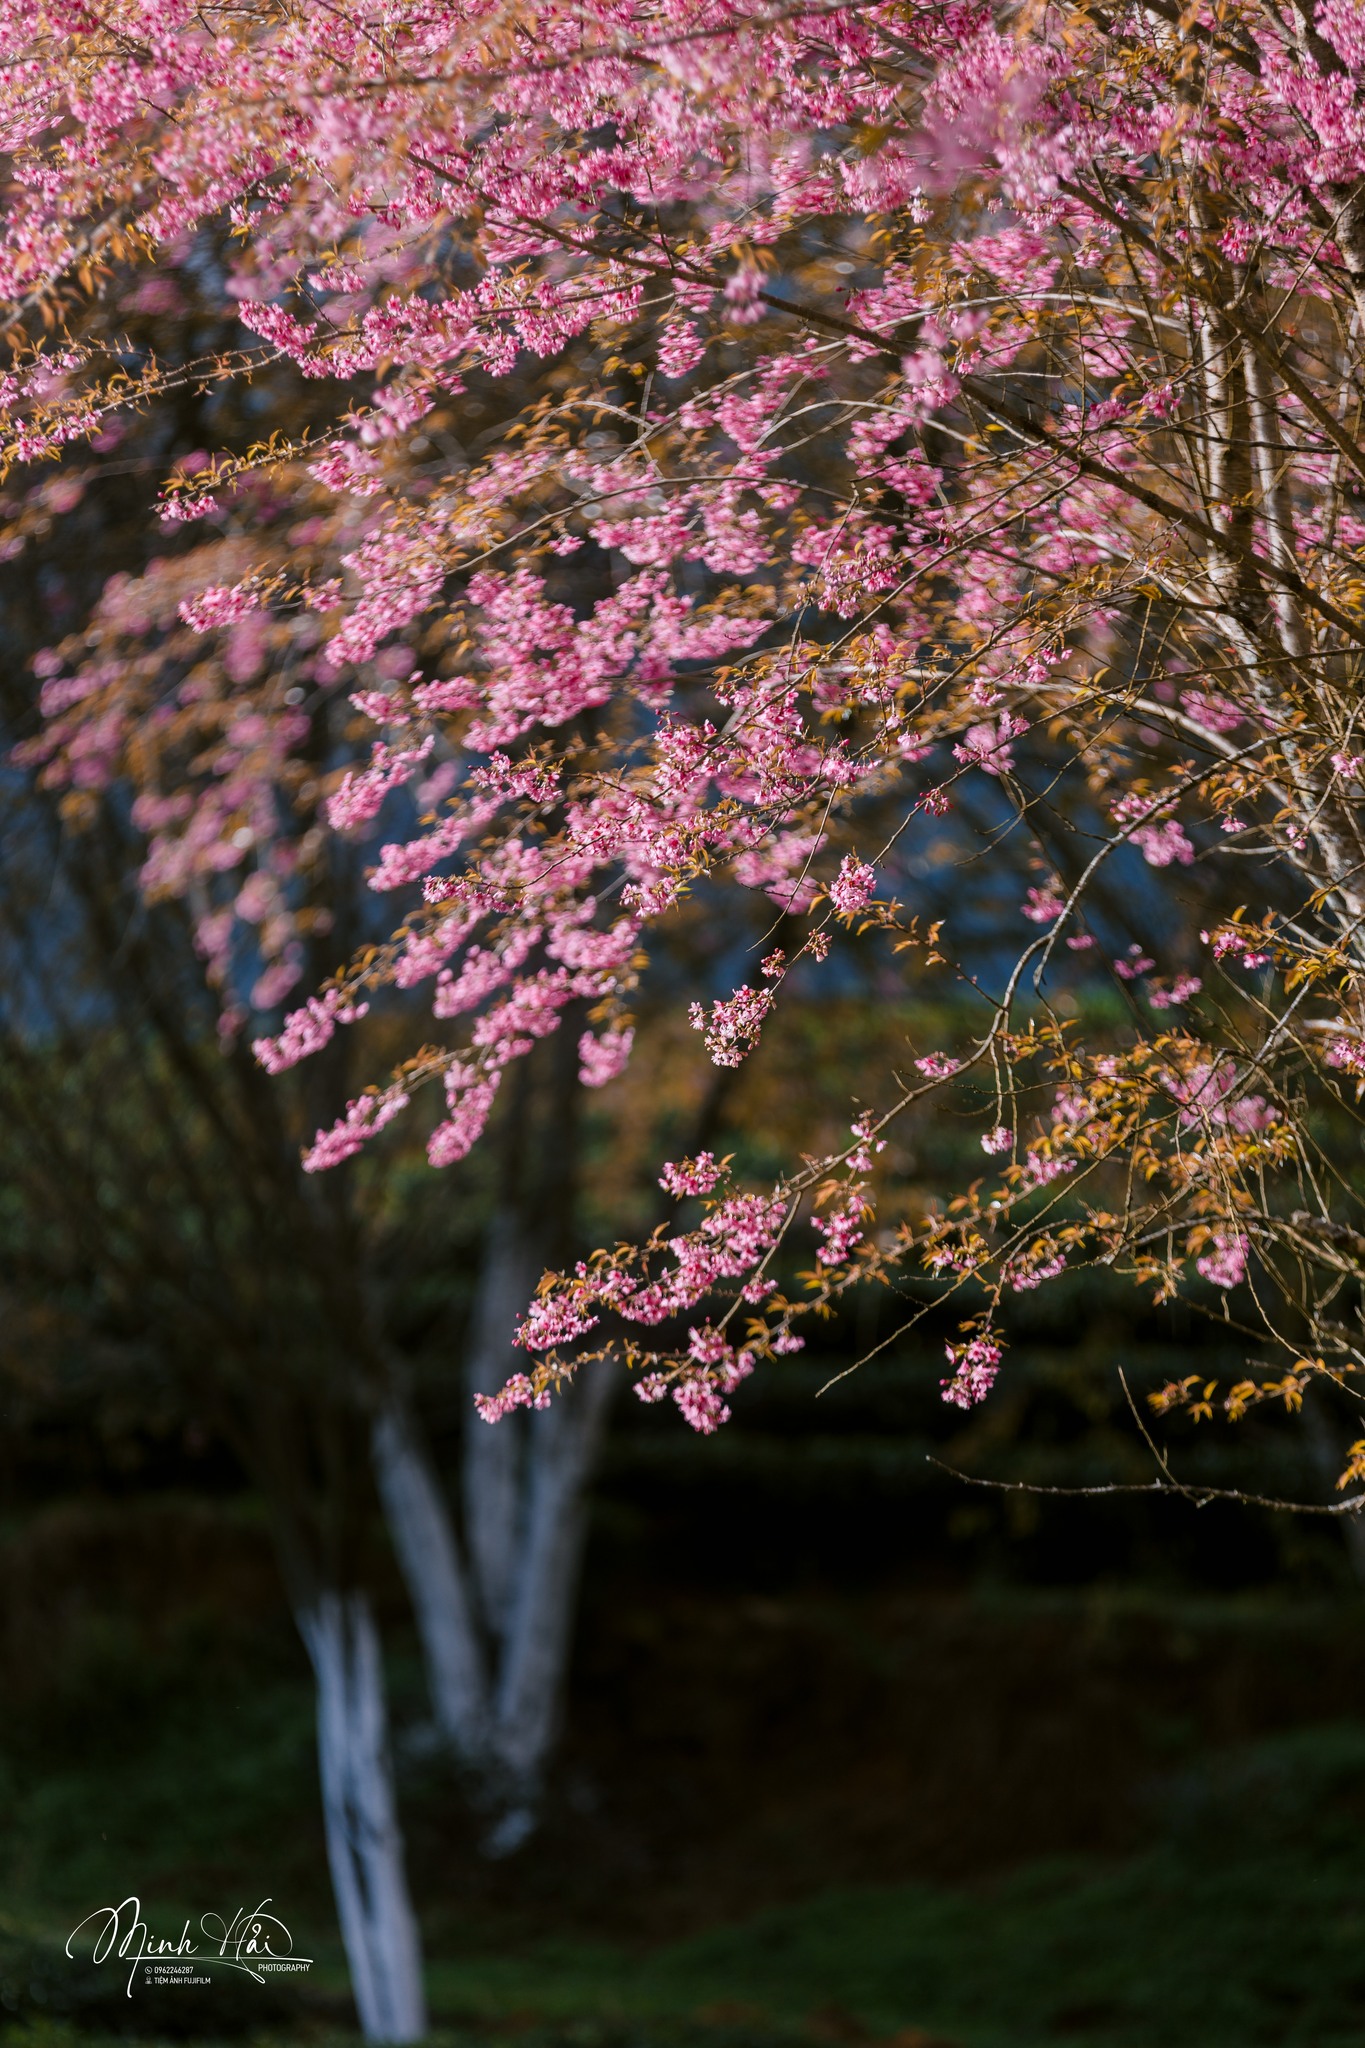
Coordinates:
[563,1443]
[495,1631]
[498,1709]
[495,1614]
[494,1458]
[419,1524]
[364,1845]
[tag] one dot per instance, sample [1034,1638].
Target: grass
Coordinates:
[181,1767]
[1242,1926]
[1242,1929]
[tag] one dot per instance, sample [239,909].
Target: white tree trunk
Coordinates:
[423,1537]
[563,1446]
[494,1458]
[495,1614]
[495,1624]
[364,1845]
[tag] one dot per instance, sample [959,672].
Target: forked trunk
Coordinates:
[424,1542]
[364,1844]
[495,1611]
[494,1460]
[496,1689]
[562,1446]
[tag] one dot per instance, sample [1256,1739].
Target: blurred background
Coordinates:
[834,1744]
[849,1749]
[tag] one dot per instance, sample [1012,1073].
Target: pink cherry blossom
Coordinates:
[1225,1265]
[974,1368]
[852,889]
[755,566]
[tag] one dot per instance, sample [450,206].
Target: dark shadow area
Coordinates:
[854,1751]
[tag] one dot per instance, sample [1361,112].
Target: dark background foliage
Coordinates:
[854,1751]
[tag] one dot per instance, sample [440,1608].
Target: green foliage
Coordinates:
[1240,1928]
[868,1718]
[1239,1925]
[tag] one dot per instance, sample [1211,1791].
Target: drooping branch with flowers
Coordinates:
[903,416]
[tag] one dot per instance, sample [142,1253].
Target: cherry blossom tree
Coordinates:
[157,1186]
[493,1590]
[944,413]
[492,1573]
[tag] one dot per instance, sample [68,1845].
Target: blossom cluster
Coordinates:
[810,552]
